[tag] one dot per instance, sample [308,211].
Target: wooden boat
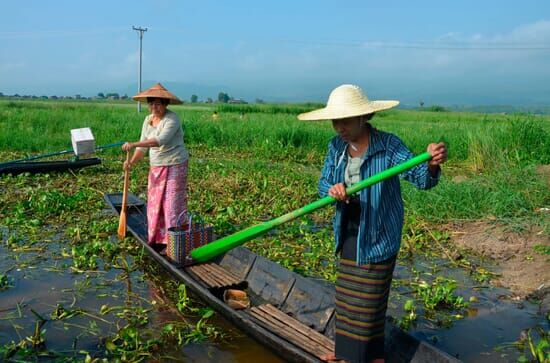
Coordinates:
[289,313]
[35,167]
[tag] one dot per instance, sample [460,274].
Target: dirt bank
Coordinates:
[522,269]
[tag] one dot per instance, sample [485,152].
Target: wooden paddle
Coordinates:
[122,220]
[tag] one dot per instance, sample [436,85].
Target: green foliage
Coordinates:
[542,250]
[129,344]
[223,97]
[183,304]
[439,294]
[272,109]
[4,282]
[434,108]
[535,346]
[85,255]
[409,317]
[242,172]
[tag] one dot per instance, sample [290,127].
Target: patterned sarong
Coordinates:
[361,302]
[166,200]
[361,298]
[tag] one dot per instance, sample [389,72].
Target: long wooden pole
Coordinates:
[122,220]
[211,250]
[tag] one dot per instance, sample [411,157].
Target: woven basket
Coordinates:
[185,237]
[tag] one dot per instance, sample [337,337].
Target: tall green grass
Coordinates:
[492,168]
[293,109]
[482,141]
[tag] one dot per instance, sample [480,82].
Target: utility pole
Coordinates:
[141,31]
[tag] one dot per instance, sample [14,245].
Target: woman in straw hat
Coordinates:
[162,136]
[367,226]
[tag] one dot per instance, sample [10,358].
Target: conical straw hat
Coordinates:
[346,101]
[157,91]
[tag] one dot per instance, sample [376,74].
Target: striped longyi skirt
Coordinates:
[361,298]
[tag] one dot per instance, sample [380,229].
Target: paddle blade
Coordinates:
[122,220]
[122,225]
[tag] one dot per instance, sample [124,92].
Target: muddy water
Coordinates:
[42,280]
[493,321]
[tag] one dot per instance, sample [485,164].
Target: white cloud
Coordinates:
[538,32]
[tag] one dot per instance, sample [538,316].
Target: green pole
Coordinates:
[211,250]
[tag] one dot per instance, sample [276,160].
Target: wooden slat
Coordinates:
[221,274]
[292,330]
[218,268]
[213,275]
[205,277]
[290,335]
[204,271]
[295,324]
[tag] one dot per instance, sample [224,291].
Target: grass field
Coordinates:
[258,162]
[495,157]
[244,161]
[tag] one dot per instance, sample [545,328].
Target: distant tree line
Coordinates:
[100,96]
[223,97]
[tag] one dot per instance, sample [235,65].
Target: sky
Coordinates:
[438,52]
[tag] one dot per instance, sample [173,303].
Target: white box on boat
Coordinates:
[83,141]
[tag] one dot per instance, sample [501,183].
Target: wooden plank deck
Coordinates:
[214,276]
[292,330]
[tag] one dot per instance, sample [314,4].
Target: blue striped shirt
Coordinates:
[382,211]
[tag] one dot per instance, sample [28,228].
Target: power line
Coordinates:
[57,33]
[432,45]
[141,31]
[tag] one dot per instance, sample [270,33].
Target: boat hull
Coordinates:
[35,167]
[305,303]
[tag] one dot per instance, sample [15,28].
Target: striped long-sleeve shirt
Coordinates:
[382,211]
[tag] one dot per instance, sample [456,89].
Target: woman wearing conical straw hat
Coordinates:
[367,226]
[162,137]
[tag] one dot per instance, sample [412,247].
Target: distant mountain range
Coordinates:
[461,101]
[452,97]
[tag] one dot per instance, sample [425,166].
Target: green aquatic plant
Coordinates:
[60,313]
[183,302]
[5,282]
[129,344]
[410,315]
[439,294]
[534,345]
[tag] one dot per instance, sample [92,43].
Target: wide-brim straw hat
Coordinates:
[157,91]
[346,101]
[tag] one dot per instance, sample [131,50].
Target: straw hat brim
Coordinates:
[157,91]
[344,111]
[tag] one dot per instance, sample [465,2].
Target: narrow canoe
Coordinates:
[35,167]
[291,314]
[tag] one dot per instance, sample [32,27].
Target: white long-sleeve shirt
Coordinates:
[169,135]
